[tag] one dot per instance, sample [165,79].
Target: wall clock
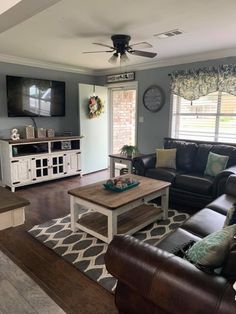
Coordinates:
[153,98]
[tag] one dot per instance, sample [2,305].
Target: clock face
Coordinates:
[154,98]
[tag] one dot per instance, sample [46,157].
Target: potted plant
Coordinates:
[129,150]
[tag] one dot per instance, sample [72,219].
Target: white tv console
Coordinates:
[31,161]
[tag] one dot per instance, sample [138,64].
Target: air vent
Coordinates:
[171,33]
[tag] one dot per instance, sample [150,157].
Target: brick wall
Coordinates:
[124,112]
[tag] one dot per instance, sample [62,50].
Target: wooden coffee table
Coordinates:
[118,213]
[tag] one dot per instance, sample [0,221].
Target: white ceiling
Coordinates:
[61,32]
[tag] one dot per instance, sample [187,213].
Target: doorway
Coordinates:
[123,116]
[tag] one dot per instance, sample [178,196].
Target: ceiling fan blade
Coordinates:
[98,51]
[142,45]
[103,45]
[143,53]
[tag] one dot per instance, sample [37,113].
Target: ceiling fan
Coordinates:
[121,47]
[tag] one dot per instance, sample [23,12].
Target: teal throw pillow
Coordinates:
[215,164]
[212,250]
[231,216]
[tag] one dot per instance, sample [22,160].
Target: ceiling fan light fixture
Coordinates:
[113,58]
[123,58]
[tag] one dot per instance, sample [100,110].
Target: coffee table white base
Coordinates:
[112,215]
[12,218]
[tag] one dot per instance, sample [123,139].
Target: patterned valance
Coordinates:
[194,84]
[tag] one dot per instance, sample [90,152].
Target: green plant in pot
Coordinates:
[129,150]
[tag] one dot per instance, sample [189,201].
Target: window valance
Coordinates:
[193,84]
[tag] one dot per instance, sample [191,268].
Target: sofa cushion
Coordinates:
[200,160]
[176,240]
[194,183]
[215,164]
[185,154]
[204,222]
[166,158]
[165,174]
[222,204]
[213,249]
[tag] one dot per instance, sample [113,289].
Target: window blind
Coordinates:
[209,118]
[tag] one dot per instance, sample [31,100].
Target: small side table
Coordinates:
[121,159]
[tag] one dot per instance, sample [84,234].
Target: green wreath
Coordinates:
[96,107]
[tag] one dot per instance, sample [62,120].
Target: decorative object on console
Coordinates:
[129,150]
[66,145]
[154,98]
[166,158]
[212,250]
[215,164]
[41,133]
[29,132]
[95,107]
[50,133]
[15,135]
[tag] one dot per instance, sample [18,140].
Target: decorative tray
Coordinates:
[116,189]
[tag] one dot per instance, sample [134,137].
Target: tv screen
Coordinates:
[28,97]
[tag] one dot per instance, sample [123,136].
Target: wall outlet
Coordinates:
[141,119]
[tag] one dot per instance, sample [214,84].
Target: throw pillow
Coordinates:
[231,216]
[215,164]
[166,158]
[212,250]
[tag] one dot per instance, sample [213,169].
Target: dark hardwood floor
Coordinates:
[68,287]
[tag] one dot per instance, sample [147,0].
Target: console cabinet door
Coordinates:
[58,165]
[21,171]
[73,163]
[40,168]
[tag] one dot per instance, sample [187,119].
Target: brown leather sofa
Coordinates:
[189,186]
[154,280]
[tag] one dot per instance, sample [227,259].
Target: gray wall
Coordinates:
[68,123]
[156,125]
[150,133]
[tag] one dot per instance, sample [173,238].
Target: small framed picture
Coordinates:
[66,145]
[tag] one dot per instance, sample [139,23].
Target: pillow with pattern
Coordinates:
[212,250]
[215,164]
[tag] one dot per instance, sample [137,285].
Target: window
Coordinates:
[123,117]
[209,118]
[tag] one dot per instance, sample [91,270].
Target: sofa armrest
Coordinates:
[142,163]
[169,282]
[219,187]
[231,185]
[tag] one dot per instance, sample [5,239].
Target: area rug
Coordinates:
[86,252]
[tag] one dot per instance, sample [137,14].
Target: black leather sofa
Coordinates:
[153,280]
[190,187]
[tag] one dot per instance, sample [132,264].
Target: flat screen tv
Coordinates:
[28,97]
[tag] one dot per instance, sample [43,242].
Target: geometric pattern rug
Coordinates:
[86,253]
